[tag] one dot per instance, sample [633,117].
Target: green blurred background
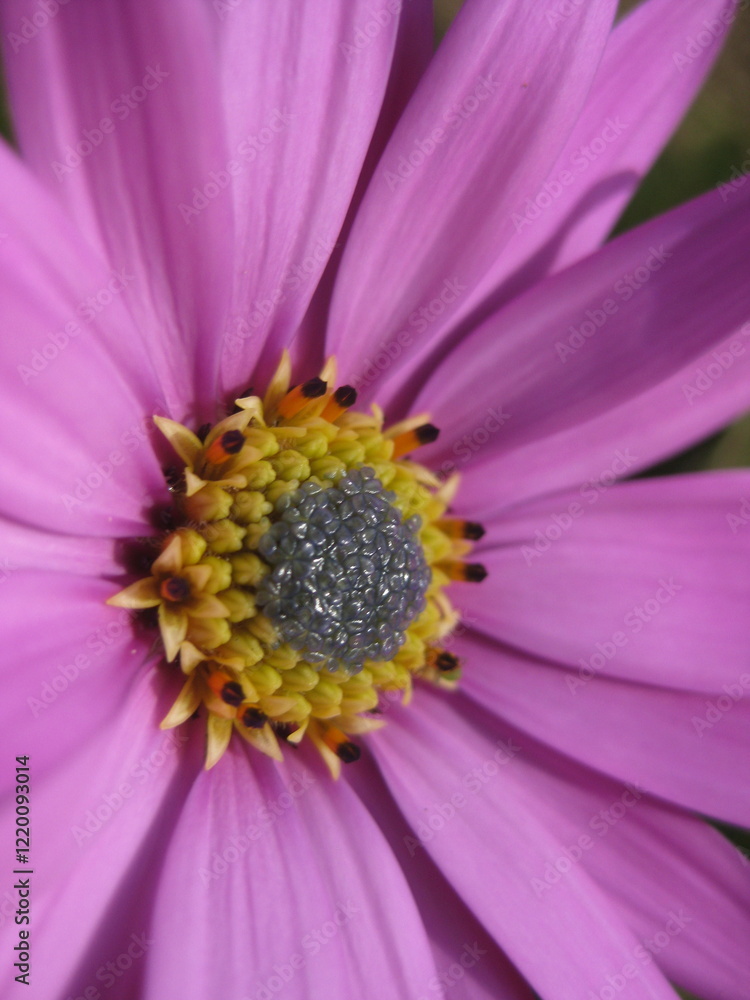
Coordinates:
[713,138]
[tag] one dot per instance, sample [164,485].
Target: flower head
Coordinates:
[307,576]
[203,186]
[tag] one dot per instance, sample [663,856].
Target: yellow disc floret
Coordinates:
[306,581]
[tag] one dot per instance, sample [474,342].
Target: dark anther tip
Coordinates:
[475,572]
[313,388]
[346,396]
[232,693]
[348,752]
[427,433]
[446,661]
[232,441]
[253,718]
[176,588]
[473,531]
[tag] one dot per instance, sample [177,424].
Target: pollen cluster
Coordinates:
[306,580]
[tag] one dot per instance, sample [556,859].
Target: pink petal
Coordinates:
[550,406]
[483,129]
[412,53]
[145,126]
[30,548]
[286,879]
[428,755]
[646,581]
[626,121]
[676,880]
[79,388]
[69,677]
[299,127]
[667,858]
[470,965]
[680,886]
[684,747]
[94,808]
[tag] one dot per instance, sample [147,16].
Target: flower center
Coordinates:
[306,582]
[349,574]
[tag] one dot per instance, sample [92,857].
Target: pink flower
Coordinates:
[203,185]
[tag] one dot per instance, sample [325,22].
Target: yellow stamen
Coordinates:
[300,396]
[339,402]
[218,735]
[469,572]
[223,448]
[409,440]
[454,528]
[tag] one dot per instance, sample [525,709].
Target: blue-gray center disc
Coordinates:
[348,573]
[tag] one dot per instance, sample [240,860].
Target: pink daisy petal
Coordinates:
[412,54]
[431,755]
[646,580]
[93,808]
[297,141]
[492,112]
[413,51]
[289,882]
[76,434]
[470,965]
[685,747]
[24,548]
[658,306]
[682,888]
[71,676]
[668,858]
[260,878]
[627,119]
[123,140]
